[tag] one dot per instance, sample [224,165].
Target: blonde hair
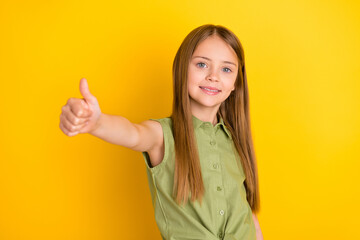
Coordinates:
[234,111]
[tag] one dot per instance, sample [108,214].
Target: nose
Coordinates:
[212,76]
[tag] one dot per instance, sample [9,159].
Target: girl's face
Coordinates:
[211,74]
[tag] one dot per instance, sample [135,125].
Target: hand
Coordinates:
[80,115]
[259,235]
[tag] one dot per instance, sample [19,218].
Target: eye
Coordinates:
[227,70]
[201,64]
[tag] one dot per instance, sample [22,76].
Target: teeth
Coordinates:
[210,90]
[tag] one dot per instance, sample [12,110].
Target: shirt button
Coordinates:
[212,142]
[219,188]
[215,165]
[221,212]
[220,234]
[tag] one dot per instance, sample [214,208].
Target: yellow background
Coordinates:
[302,61]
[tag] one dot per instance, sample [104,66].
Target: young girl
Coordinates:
[200,161]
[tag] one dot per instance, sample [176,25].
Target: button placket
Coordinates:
[216,165]
[213,138]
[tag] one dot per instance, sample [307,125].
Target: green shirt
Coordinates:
[225,212]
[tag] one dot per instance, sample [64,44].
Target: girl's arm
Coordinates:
[259,235]
[119,130]
[85,116]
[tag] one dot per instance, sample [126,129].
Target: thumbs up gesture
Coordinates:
[80,115]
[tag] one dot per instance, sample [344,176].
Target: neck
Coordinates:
[207,116]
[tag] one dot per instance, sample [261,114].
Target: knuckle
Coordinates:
[63,120]
[63,129]
[79,112]
[76,121]
[67,127]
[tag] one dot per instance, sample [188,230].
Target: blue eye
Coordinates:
[229,70]
[200,63]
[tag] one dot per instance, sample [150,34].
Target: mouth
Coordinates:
[210,89]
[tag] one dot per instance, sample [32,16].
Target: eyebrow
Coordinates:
[210,60]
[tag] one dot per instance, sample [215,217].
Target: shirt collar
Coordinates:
[198,123]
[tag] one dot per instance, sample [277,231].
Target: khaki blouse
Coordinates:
[225,212]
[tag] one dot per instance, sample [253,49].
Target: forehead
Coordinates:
[215,48]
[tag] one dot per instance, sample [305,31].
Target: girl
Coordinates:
[200,161]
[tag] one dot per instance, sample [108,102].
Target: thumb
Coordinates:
[85,92]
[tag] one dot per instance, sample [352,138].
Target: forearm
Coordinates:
[259,235]
[115,129]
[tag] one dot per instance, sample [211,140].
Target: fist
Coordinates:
[80,115]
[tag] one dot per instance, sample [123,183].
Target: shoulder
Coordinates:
[152,125]
[159,125]
[151,134]
[160,129]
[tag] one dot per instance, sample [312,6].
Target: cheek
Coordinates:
[196,74]
[230,83]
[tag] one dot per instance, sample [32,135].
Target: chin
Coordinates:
[207,104]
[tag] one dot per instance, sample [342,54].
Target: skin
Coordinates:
[206,68]
[259,235]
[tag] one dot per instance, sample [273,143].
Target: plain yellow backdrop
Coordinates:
[302,61]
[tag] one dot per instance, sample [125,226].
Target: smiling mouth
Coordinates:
[210,90]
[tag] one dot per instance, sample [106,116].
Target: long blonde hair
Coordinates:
[234,111]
